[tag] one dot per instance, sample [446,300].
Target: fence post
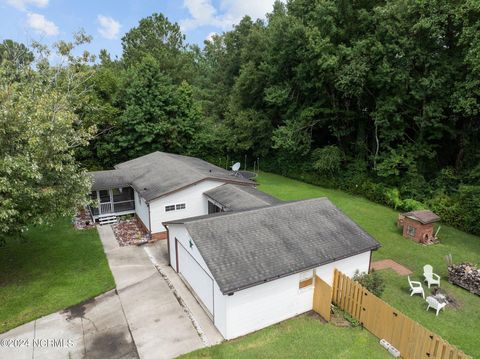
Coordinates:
[410,338]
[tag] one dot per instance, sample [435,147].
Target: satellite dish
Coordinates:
[236,167]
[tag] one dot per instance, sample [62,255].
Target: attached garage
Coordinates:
[256,267]
[196,277]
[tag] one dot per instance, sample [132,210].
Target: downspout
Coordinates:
[370,262]
[168,245]
[149,220]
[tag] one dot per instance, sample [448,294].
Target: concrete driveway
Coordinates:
[160,325]
[151,314]
[93,329]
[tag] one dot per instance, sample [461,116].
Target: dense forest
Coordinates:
[379,98]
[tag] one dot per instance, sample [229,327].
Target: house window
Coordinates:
[212,208]
[170,208]
[180,206]
[411,231]
[305,283]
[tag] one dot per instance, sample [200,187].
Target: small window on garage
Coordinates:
[304,283]
[411,231]
[306,280]
[170,208]
[180,206]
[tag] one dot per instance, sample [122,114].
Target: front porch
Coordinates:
[115,201]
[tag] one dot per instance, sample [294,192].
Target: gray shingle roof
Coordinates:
[107,180]
[238,198]
[243,249]
[423,216]
[160,173]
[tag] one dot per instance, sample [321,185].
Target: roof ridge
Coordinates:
[231,214]
[174,157]
[250,194]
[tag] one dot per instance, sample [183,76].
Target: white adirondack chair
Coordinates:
[430,277]
[416,288]
[435,304]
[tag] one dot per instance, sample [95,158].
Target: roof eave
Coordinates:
[241,182]
[423,222]
[234,290]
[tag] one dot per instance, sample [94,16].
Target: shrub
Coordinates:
[374,191]
[327,160]
[409,204]
[447,208]
[392,196]
[469,204]
[372,281]
[353,174]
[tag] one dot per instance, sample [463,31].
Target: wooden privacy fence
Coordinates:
[322,298]
[385,322]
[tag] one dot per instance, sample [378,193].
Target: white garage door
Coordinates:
[197,278]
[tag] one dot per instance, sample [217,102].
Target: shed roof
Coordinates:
[243,249]
[423,216]
[160,173]
[238,198]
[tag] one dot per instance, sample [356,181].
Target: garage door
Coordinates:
[196,277]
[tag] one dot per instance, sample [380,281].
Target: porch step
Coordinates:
[107,220]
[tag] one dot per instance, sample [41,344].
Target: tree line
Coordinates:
[379,98]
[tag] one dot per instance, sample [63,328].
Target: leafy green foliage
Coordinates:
[378,98]
[39,131]
[372,281]
[469,202]
[157,115]
[16,54]
[327,160]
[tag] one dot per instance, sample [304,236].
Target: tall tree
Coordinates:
[157,115]
[155,35]
[39,177]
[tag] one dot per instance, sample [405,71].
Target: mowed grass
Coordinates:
[301,337]
[50,269]
[459,326]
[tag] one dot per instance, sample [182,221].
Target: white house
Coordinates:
[160,187]
[253,267]
[247,257]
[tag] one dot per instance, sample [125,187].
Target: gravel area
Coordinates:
[129,232]
[83,220]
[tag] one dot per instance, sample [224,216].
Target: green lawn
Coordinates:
[300,337]
[458,326]
[51,269]
[306,337]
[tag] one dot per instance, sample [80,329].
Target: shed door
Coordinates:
[196,277]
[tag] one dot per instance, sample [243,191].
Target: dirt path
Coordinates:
[389,263]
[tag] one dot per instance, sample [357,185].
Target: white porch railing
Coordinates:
[112,208]
[106,208]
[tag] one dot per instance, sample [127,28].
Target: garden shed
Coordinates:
[418,225]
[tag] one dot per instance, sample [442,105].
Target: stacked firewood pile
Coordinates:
[465,275]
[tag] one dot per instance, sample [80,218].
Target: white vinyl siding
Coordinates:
[257,307]
[179,232]
[196,277]
[141,209]
[192,197]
